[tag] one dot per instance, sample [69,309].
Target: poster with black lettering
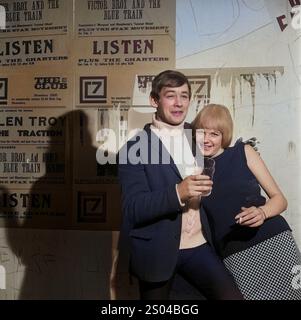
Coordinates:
[34,51]
[125,51]
[111,83]
[35,171]
[35,17]
[114,41]
[36,207]
[104,89]
[38,87]
[34,149]
[124,17]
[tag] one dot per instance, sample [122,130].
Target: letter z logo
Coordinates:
[93,89]
[200,88]
[92,207]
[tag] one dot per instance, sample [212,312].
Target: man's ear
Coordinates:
[153,102]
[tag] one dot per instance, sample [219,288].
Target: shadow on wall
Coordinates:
[46,261]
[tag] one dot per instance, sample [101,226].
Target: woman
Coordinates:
[248,231]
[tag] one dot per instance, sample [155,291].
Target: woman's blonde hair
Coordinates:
[217,117]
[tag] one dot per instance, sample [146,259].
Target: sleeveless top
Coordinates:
[235,186]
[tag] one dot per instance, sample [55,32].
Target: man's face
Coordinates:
[173,104]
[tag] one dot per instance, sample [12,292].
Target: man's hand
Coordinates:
[194,186]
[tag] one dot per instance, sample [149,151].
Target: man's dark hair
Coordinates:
[168,78]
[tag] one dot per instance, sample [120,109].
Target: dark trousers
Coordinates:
[202,268]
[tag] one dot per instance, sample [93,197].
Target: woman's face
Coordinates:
[209,141]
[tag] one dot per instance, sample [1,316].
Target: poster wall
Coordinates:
[68,71]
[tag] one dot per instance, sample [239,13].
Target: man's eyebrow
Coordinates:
[173,90]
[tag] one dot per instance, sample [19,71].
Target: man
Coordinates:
[160,203]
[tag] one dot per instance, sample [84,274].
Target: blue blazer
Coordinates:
[152,214]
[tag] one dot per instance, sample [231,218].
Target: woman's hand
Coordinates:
[251,217]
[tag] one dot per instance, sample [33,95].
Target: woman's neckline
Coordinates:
[219,155]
